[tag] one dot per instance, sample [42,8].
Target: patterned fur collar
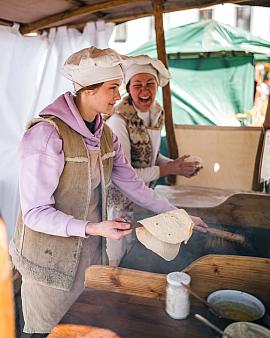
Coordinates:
[128,111]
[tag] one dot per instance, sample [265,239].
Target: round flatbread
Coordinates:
[172,227]
[163,249]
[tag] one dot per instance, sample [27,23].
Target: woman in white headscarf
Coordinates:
[137,121]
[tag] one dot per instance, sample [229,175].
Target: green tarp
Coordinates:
[209,91]
[207,36]
[212,71]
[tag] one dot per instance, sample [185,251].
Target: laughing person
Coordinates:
[137,121]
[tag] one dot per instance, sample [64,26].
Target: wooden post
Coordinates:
[257,185]
[166,91]
[266,123]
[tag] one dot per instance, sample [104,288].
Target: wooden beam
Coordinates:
[176,8]
[257,185]
[167,103]
[73,14]
[52,20]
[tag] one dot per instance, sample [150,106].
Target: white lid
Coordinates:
[176,278]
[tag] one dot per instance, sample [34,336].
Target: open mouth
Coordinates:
[145,99]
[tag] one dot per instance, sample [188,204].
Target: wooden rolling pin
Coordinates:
[230,236]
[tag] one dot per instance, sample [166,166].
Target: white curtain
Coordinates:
[30,79]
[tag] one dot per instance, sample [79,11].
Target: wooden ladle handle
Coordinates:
[230,236]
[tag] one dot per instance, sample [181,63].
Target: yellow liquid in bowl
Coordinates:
[237,311]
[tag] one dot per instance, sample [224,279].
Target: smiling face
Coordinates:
[143,90]
[106,96]
[99,100]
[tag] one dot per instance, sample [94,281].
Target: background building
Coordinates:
[128,36]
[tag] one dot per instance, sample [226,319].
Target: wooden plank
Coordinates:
[194,197]
[132,282]
[242,209]
[209,273]
[214,272]
[73,14]
[221,206]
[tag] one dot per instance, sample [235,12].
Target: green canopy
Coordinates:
[212,67]
[207,36]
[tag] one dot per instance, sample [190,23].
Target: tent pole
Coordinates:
[166,92]
[266,123]
[257,185]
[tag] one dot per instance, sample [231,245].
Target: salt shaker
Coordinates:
[177,297]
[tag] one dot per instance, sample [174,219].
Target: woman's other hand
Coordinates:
[199,224]
[115,229]
[181,167]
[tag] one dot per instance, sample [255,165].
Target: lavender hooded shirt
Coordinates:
[42,162]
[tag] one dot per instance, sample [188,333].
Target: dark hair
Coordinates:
[90,87]
[129,96]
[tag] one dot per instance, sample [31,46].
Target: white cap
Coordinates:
[144,64]
[176,278]
[93,65]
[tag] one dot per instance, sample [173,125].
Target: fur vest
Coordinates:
[140,143]
[53,260]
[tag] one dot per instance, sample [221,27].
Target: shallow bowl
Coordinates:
[237,305]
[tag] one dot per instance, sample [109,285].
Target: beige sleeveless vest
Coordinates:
[53,260]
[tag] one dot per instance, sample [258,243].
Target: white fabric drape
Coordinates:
[30,79]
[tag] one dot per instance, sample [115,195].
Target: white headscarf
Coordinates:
[93,65]
[145,64]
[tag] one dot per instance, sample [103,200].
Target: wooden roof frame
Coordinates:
[81,11]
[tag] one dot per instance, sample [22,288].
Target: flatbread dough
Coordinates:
[172,227]
[163,249]
[164,233]
[194,158]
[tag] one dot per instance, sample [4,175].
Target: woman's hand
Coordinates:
[199,224]
[180,167]
[115,229]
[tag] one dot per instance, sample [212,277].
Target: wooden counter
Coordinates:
[131,302]
[134,316]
